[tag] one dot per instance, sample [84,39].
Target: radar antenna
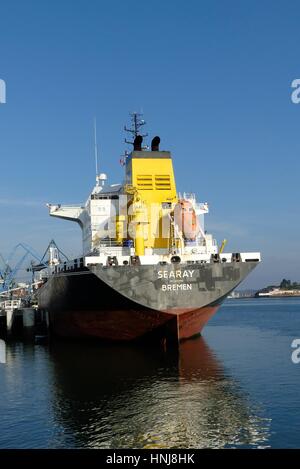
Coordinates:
[136,123]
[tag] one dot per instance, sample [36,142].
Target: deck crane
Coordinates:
[8,273]
[54,255]
[4,270]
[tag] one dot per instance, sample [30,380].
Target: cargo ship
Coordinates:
[148,266]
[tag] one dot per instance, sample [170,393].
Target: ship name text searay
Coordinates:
[175,274]
[2,92]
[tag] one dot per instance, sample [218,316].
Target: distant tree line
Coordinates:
[288,285]
[284,285]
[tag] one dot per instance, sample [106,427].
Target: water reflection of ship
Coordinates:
[128,397]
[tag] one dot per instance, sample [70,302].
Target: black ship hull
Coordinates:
[130,302]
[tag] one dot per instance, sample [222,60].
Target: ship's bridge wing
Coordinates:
[67,212]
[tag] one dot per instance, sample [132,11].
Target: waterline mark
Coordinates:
[296,353]
[2,92]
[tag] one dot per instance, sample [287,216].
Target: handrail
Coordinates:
[11,304]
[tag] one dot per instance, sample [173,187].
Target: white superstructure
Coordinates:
[97,220]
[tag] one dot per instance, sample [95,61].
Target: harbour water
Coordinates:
[234,387]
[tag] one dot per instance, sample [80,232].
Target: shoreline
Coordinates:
[263,296]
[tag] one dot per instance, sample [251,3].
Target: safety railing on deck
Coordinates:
[10,304]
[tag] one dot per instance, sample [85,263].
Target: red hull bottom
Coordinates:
[126,325]
[192,323]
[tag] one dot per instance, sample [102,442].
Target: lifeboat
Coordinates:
[186,219]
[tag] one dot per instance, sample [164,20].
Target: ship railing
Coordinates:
[187,195]
[201,206]
[10,304]
[109,243]
[71,206]
[67,266]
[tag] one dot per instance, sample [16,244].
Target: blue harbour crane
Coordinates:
[8,273]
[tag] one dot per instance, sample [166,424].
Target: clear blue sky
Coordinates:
[213,79]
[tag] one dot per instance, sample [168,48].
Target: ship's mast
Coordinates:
[136,123]
[96,151]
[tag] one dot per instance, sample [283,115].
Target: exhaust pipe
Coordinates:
[155,144]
